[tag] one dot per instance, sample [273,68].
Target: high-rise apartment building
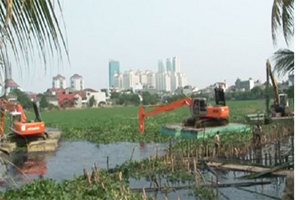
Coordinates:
[161,65]
[175,64]
[77,82]
[169,64]
[174,80]
[130,79]
[118,80]
[182,79]
[169,77]
[59,81]
[113,66]
[151,80]
[163,81]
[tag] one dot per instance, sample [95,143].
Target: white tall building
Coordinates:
[163,81]
[118,80]
[174,77]
[182,80]
[143,77]
[169,64]
[77,82]
[130,79]
[161,65]
[59,82]
[175,64]
[174,81]
[151,80]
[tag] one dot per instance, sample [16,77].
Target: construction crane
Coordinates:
[202,115]
[18,121]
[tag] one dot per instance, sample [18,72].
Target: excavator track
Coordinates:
[202,123]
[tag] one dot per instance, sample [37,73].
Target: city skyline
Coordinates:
[167,78]
[214,42]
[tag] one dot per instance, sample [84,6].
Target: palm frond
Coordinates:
[30,28]
[284,62]
[282,17]
[276,19]
[288,19]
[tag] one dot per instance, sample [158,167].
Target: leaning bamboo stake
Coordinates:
[172,165]
[200,147]
[120,176]
[195,172]
[144,194]
[102,185]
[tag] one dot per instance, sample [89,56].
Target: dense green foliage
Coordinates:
[92,101]
[125,98]
[77,188]
[22,98]
[150,99]
[43,102]
[121,123]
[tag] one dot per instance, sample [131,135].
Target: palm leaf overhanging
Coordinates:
[283,16]
[284,62]
[30,28]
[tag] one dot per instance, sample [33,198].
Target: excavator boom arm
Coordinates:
[274,83]
[159,109]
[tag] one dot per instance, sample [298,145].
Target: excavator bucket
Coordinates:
[141,119]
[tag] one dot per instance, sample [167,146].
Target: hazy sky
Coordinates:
[215,40]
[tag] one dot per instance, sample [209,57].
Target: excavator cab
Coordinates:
[199,107]
[15,116]
[283,100]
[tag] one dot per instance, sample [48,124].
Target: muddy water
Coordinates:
[71,157]
[261,192]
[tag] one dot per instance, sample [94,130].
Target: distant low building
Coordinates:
[52,100]
[284,85]
[11,85]
[231,89]
[244,85]
[100,97]
[258,83]
[32,96]
[188,90]
[73,100]
[54,91]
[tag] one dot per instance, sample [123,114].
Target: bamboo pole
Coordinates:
[195,172]
[172,165]
[107,162]
[220,185]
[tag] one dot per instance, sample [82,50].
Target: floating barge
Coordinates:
[261,117]
[177,130]
[32,144]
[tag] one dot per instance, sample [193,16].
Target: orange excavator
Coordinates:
[202,115]
[19,124]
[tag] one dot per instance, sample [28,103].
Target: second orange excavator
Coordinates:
[19,124]
[202,115]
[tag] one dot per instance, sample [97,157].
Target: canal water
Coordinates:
[72,156]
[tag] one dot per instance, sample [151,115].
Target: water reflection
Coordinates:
[71,157]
